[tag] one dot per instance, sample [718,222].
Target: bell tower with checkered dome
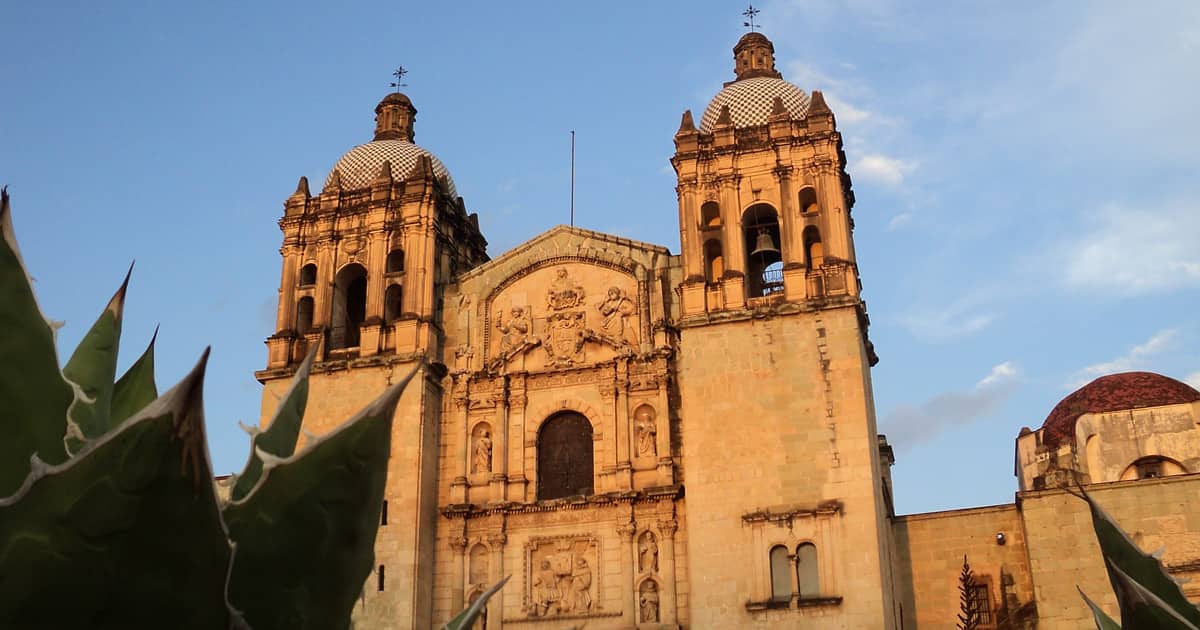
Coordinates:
[366,263]
[787,480]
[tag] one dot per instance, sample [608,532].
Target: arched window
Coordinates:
[808,200]
[564,459]
[710,214]
[814,253]
[806,571]
[304,314]
[781,574]
[308,275]
[395,261]
[392,303]
[714,262]
[760,230]
[1152,467]
[349,306]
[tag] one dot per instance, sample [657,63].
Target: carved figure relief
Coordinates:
[646,431]
[647,553]
[615,308]
[564,293]
[648,601]
[479,565]
[515,330]
[561,576]
[482,458]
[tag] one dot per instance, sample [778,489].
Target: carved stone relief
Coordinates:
[562,574]
[616,309]
[564,293]
[481,449]
[647,553]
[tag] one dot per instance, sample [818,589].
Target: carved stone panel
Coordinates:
[562,576]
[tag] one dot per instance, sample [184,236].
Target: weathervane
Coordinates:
[399,74]
[750,12]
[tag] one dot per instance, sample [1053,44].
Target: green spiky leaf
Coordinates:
[279,438]
[125,535]
[1140,608]
[34,396]
[93,367]
[471,615]
[1145,570]
[310,577]
[1103,621]
[135,389]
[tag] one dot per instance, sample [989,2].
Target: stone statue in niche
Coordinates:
[648,601]
[648,553]
[615,308]
[564,292]
[482,461]
[515,330]
[645,431]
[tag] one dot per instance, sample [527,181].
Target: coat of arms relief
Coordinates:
[566,322]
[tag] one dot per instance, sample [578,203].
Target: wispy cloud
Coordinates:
[882,169]
[907,425]
[1133,251]
[1193,379]
[1135,358]
[899,220]
[965,316]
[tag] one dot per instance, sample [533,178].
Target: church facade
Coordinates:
[639,438]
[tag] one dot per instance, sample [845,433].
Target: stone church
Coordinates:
[656,440]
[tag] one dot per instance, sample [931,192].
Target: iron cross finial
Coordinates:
[750,12]
[399,74]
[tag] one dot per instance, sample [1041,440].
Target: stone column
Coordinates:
[667,565]
[731,222]
[689,241]
[285,318]
[666,465]
[629,601]
[499,477]
[515,437]
[376,244]
[789,220]
[624,478]
[323,300]
[495,605]
[462,403]
[458,558]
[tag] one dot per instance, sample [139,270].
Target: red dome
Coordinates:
[1114,392]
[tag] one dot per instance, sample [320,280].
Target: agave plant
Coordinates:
[1148,597]
[109,517]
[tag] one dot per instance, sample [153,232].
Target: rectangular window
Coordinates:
[981,603]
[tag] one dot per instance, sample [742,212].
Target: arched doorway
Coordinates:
[564,458]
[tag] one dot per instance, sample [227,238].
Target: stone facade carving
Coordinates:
[564,293]
[648,553]
[564,338]
[616,309]
[482,457]
[562,576]
[516,331]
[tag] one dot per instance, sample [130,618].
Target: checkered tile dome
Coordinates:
[360,165]
[750,102]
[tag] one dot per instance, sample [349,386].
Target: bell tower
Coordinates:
[787,491]
[366,263]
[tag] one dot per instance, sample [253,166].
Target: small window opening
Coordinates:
[1150,469]
[808,200]
[304,314]
[383,514]
[380,575]
[807,578]
[714,262]
[393,300]
[781,579]
[395,261]
[814,252]
[710,214]
[981,603]
[308,275]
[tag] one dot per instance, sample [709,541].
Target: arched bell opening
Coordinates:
[814,252]
[764,260]
[710,215]
[714,261]
[349,306]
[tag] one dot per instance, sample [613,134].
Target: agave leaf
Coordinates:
[1103,621]
[34,396]
[1140,608]
[93,367]
[309,577]
[1122,554]
[279,439]
[135,389]
[470,615]
[126,534]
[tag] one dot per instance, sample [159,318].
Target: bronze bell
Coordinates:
[764,244]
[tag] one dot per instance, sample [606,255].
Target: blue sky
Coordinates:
[1026,174]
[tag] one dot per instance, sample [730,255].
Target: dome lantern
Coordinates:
[394,118]
[754,56]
